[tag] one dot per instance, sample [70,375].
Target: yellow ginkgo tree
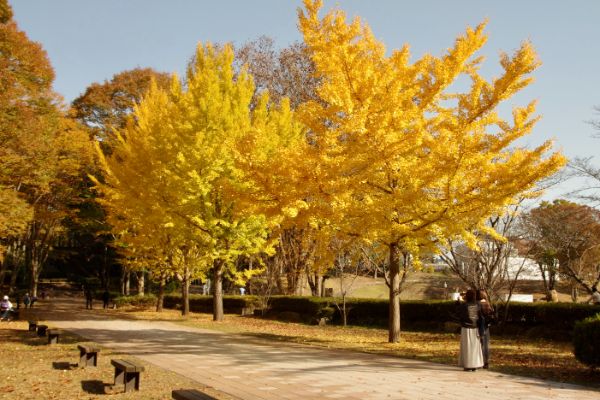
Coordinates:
[400,157]
[180,165]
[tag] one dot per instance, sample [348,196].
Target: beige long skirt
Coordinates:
[470,355]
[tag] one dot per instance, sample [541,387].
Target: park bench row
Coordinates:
[127,372]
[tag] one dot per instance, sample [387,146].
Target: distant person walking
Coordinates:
[486,317]
[595,297]
[6,308]
[89,297]
[105,299]
[26,300]
[471,355]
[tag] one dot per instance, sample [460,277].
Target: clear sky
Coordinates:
[91,40]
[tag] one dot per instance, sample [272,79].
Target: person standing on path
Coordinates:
[486,317]
[6,308]
[89,297]
[595,297]
[105,299]
[26,300]
[471,355]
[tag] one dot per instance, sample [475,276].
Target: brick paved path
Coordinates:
[250,368]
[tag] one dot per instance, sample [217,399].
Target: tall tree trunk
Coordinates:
[161,293]
[3,269]
[218,291]
[394,310]
[126,282]
[13,277]
[35,274]
[185,292]
[140,275]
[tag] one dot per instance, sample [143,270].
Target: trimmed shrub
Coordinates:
[145,301]
[204,304]
[559,316]
[552,320]
[586,341]
[308,308]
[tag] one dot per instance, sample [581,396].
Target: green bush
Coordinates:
[146,300]
[559,316]
[586,341]
[309,308]
[555,319]
[204,304]
[413,314]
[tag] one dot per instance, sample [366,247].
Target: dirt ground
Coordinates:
[32,369]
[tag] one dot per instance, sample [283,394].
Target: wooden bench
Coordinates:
[127,373]
[41,330]
[53,335]
[88,356]
[190,394]
[32,326]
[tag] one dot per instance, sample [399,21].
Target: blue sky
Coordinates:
[91,40]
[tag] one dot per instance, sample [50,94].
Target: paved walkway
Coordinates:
[250,368]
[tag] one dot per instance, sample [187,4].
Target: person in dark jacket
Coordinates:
[486,317]
[89,298]
[105,299]
[471,355]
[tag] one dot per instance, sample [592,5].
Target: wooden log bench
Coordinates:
[53,335]
[190,394]
[32,326]
[88,356]
[41,330]
[127,372]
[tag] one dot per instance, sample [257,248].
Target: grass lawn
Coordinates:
[32,369]
[524,356]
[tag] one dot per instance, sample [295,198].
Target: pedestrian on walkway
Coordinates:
[26,300]
[595,297]
[487,316]
[89,297]
[105,299]
[6,308]
[471,355]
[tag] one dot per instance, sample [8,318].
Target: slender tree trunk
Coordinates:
[161,294]
[218,291]
[127,283]
[141,282]
[185,292]
[574,292]
[394,310]
[13,277]
[35,273]
[3,269]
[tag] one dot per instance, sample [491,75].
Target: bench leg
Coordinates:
[119,376]
[132,381]
[88,359]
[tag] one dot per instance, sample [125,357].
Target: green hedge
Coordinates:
[204,304]
[429,315]
[146,300]
[558,316]
[586,341]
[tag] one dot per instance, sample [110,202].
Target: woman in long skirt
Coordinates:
[471,356]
